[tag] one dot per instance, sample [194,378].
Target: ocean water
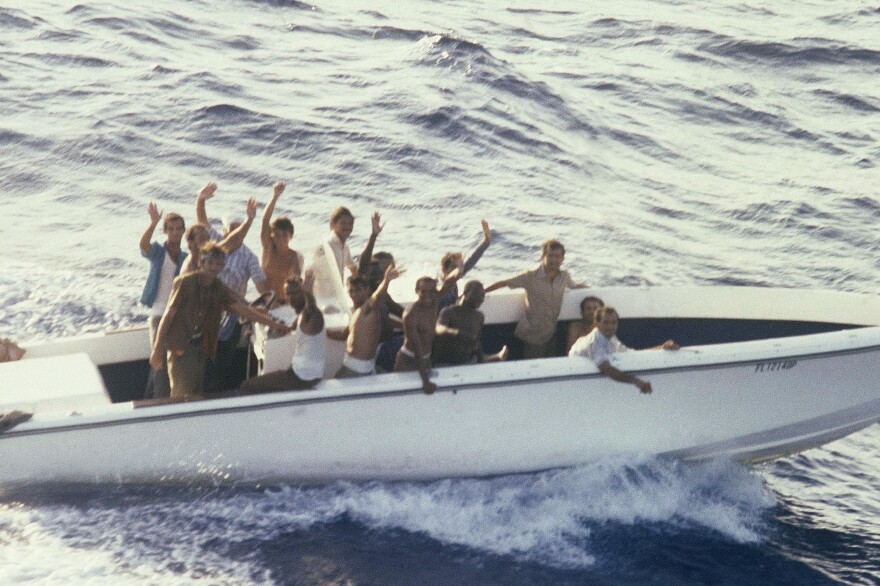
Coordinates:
[664,142]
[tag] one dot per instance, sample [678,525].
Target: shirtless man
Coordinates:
[460,330]
[279,261]
[419,322]
[364,332]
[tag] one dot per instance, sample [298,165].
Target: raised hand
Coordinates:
[207,191]
[377,227]
[155,212]
[392,272]
[487,233]
[251,211]
[309,280]
[278,189]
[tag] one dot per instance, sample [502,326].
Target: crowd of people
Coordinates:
[197,297]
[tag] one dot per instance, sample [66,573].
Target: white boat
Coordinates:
[764,373]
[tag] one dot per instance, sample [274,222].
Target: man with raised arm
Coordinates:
[419,322]
[187,334]
[601,343]
[455,260]
[279,262]
[198,235]
[166,261]
[545,287]
[241,265]
[365,330]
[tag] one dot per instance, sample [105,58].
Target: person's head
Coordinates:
[589,305]
[552,255]
[606,320]
[385,260]
[296,295]
[342,223]
[212,259]
[449,262]
[473,295]
[372,272]
[197,236]
[231,222]
[173,226]
[282,230]
[358,289]
[426,288]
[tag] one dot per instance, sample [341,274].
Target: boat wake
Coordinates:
[550,519]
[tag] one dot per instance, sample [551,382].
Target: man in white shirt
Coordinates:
[601,343]
[341,227]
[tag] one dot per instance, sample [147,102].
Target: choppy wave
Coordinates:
[549,518]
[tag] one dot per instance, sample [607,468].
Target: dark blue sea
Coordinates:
[664,142]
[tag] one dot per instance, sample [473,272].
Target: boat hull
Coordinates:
[748,401]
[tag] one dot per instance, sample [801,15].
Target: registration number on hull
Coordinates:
[774,366]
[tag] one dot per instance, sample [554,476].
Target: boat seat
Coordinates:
[69,382]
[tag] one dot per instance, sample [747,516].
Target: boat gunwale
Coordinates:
[135,412]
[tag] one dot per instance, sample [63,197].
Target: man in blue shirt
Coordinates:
[165,262]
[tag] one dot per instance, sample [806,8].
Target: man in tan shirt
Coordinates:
[187,334]
[545,287]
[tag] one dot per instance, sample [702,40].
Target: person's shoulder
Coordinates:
[156,250]
[187,280]
[582,344]
[244,252]
[525,274]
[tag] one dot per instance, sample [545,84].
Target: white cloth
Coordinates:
[309,354]
[358,365]
[284,313]
[329,287]
[340,251]
[166,279]
[597,347]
